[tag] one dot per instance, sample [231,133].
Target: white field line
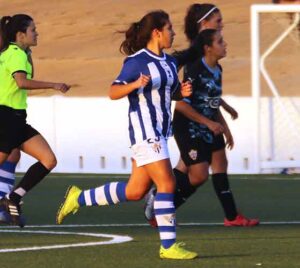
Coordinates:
[114,239]
[141,225]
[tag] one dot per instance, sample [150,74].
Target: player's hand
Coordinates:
[234,114]
[186,89]
[216,128]
[142,81]
[62,87]
[229,139]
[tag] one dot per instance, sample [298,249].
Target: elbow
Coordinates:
[21,84]
[111,94]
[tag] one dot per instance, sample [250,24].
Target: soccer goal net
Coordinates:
[275,48]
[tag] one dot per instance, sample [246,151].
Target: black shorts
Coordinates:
[14,130]
[194,151]
[219,143]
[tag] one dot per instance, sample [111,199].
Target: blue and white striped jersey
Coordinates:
[149,107]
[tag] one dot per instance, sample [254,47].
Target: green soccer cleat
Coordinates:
[70,204]
[176,251]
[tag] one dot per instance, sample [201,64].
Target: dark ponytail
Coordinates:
[139,33]
[194,13]
[10,26]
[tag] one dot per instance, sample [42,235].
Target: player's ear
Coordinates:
[156,33]
[207,49]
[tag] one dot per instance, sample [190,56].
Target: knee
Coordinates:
[134,195]
[166,186]
[198,180]
[50,162]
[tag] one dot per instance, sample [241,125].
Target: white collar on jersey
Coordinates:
[151,54]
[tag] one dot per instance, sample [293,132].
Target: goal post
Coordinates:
[277,102]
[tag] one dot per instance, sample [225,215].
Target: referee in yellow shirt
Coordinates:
[18,34]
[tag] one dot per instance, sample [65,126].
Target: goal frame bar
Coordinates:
[257,67]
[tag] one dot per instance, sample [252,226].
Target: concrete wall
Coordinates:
[89,135]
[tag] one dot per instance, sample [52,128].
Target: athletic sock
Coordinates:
[31,178]
[222,189]
[7,178]
[184,189]
[164,210]
[107,194]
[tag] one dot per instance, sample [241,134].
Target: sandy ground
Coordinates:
[78,44]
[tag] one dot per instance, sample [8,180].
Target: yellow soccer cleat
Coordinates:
[70,204]
[176,251]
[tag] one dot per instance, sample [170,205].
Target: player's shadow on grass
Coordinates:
[224,256]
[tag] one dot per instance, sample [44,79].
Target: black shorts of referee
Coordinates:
[14,130]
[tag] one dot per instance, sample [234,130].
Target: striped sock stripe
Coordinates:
[87,197]
[10,181]
[113,192]
[108,194]
[8,167]
[93,197]
[121,191]
[164,210]
[100,196]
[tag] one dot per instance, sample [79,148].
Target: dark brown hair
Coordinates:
[10,26]
[139,33]
[205,38]
[194,13]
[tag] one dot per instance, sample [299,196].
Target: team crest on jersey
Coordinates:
[193,154]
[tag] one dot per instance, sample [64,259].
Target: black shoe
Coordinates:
[14,211]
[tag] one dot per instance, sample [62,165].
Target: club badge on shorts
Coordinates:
[155,144]
[193,154]
[156,147]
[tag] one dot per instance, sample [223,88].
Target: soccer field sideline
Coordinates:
[141,225]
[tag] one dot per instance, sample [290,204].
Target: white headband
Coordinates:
[206,15]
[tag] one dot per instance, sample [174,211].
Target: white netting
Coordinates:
[275,56]
[280,130]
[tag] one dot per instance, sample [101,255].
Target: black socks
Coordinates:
[222,189]
[184,189]
[31,178]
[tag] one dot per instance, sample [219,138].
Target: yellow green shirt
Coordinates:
[12,60]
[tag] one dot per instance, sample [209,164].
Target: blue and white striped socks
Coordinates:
[7,178]
[108,194]
[164,210]
[7,181]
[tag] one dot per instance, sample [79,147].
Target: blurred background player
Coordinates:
[198,18]
[18,35]
[149,80]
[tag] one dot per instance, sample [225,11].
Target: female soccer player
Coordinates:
[200,17]
[18,34]
[149,80]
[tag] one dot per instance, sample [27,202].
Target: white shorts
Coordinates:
[150,150]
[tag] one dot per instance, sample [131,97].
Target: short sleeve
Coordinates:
[129,73]
[17,62]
